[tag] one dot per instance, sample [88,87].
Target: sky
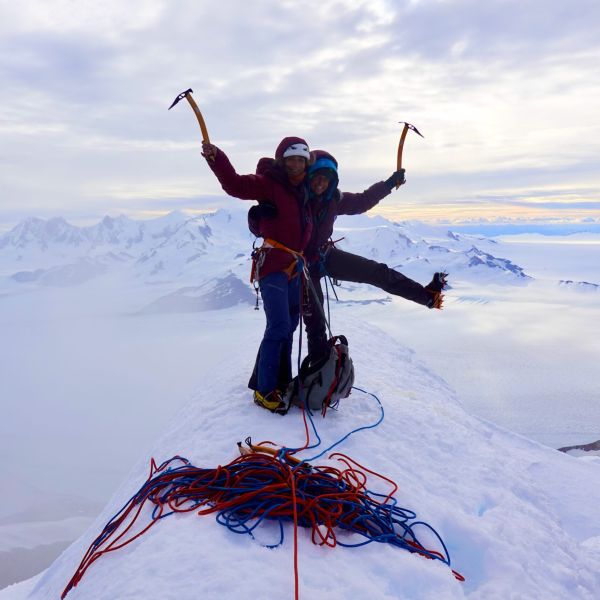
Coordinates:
[505,93]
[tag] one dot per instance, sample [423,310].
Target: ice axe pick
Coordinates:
[405,129]
[188,96]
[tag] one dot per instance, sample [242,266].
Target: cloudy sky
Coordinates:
[505,92]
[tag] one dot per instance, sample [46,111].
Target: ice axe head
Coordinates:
[188,96]
[408,126]
[181,97]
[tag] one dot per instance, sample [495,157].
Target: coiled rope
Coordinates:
[269,483]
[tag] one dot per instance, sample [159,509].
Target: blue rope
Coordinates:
[376,522]
[256,487]
[344,438]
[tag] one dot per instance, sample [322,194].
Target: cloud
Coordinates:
[500,90]
[511,31]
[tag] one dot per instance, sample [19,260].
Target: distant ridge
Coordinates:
[203,262]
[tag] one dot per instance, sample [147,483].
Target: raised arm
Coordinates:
[245,187]
[356,203]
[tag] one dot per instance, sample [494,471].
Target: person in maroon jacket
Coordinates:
[327,202]
[278,265]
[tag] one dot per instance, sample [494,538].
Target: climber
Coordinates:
[279,263]
[327,202]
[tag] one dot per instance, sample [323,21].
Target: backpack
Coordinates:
[258,212]
[322,384]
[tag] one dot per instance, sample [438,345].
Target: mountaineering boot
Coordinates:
[435,288]
[271,401]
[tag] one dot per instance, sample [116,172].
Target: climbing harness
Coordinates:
[259,254]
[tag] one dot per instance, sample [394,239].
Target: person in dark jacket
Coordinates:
[277,266]
[327,202]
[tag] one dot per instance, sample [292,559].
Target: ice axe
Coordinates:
[407,126]
[188,96]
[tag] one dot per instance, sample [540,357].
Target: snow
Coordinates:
[519,518]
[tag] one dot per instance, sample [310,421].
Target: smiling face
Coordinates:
[319,184]
[294,165]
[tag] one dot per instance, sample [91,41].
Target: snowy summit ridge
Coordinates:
[518,518]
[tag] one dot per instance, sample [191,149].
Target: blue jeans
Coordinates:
[281,301]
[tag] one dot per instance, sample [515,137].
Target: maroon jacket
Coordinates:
[325,212]
[292,225]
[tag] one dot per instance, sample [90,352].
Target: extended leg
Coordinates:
[351,267]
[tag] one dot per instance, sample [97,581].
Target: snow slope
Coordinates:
[520,520]
[95,299]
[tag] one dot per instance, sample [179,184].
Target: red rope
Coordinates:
[295,513]
[259,485]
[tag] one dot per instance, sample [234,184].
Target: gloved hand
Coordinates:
[397,178]
[209,151]
[435,288]
[438,283]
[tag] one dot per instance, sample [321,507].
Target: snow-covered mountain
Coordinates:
[519,519]
[418,250]
[56,235]
[185,255]
[591,449]
[36,243]
[583,286]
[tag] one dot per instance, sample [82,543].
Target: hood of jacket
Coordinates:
[322,154]
[285,143]
[325,162]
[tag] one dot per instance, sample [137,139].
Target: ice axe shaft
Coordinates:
[188,96]
[405,129]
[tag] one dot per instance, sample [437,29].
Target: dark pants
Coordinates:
[281,301]
[351,267]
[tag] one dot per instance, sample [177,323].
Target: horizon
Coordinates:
[489,227]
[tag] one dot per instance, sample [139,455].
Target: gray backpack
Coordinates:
[322,384]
